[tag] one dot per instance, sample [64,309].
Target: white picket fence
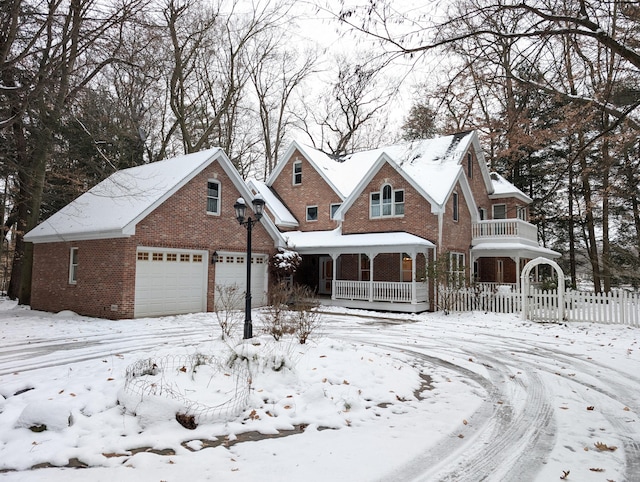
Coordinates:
[616,307]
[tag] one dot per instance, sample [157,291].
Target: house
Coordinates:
[151,240]
[158,239]
[368,224]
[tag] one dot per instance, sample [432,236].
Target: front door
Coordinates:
[326,275]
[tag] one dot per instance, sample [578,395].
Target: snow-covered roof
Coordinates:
[112,208]
[327,241]
[282,216]
[503,188]
[432,164]
[525,250]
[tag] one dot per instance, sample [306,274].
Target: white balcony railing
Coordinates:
[504,228]
[396,292]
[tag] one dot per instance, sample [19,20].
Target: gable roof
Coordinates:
[341,174]
[113,208]
[431,166]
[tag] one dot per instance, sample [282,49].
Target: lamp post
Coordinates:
[241,210]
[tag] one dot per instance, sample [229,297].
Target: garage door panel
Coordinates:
[170,282]
[232,270]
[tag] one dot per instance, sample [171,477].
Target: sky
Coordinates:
[371,396]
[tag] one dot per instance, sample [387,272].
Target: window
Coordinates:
[297,173]
[456,269]
[312,213]
[365,268]
[184,258]
[469,165]
[521,212]
[455,206]
[73,266]
[333,209]
[172,257]
[157,256]
[213,197]
[197,258]
[406,270]
[143,256]
[387,202]
[500,211]
[483,214]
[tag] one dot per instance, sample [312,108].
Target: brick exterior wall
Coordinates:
[106,268]
[313,191]
[417,218]
[105,277]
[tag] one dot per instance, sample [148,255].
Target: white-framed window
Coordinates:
[213,197]
[456,268]
[456,210]
[297,173]
[499,211]
[73,266]
[469,165]
[333,208]
[387,202]
[521,212]
[482,212]
[312,213]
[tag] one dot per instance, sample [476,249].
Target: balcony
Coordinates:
[504,231]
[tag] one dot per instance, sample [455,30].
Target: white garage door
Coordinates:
[170,282]
[232,270]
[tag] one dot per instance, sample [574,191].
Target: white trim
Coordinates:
[294,174]
[73,267]
[307,213]
[219,198]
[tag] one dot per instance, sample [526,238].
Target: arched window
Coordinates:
[387,202]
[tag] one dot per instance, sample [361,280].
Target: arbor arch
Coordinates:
[525,285]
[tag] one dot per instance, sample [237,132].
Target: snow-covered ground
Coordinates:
[373,396]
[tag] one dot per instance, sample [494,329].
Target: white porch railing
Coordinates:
[395,292]
[504,228]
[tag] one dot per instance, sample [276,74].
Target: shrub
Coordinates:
[227,307]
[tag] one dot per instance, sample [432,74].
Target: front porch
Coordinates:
[379,271]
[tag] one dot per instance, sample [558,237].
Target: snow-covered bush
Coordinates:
[284,263]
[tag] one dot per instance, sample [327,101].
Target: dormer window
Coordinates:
[297,173]
[387,202]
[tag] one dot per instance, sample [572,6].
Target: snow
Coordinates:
[433,164]
[112,207]
[373,396]
[282,216]
[301,240]
[503,188]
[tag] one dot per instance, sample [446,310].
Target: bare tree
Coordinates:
[49,53]
[357,99]
[277,73]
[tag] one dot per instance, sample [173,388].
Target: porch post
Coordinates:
[372,257]
[517,270]
[334,268]
[414,294]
